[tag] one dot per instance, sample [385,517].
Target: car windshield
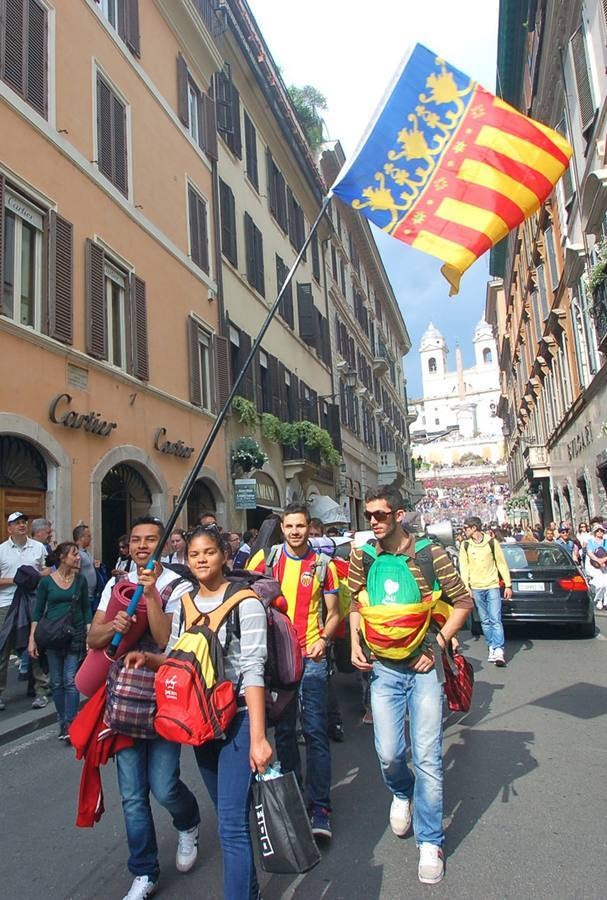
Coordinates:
[536,556]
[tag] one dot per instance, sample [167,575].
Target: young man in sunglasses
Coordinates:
[402,680]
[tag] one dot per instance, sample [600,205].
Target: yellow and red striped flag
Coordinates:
[449,168]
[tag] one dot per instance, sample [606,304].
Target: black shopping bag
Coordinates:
[283,833]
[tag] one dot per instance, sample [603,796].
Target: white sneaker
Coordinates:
[491,657]
[187,849]
[400,816]
[142,886]
[498,657]
[431,866]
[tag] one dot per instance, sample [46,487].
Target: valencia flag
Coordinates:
[448,167]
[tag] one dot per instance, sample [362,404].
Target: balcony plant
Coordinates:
[245,410]
[246,456]
[597,273]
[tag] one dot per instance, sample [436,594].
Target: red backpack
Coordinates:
[195,703]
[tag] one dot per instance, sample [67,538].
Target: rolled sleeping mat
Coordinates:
[96,665]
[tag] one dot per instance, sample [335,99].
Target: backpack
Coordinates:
[284,664]
[194,701]
[389,577]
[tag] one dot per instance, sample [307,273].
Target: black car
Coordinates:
[547,587]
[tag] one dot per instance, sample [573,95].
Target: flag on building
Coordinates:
[448,167]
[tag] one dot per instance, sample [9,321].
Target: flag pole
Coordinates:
[206,447]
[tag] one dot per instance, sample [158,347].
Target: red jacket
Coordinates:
[95,743]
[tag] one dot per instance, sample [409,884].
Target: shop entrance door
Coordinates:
[125,495]
[22,480]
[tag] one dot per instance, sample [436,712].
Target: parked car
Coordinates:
[547,587]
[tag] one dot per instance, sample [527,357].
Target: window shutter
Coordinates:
[139,329]
[2,182]
[315,258]
[13,45]
[182,91]
[308,323]
[259,269]
[334,428]
[582,78]
[246,386]
[222,370]
[256,366]
[131,36]
[228,223]
[61,282]
[235,139]
[271,182]
[194,353]
[294,412]
[283,408]
[119,148]
[250,137]
[198,230]
[274,385]
[96,324]
[313,407]
[291,224]
[223,104]
[249,241]
[104,128]
[36,90]
[209,127]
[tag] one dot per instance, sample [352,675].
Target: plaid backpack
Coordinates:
[195,703]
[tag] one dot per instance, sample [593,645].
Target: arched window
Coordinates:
[487,355]
[431,364]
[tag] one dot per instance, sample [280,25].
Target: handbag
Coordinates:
[459,681]
[130,702]
[56,634]
[282,833]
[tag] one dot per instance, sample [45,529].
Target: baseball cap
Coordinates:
[563,529]
[14,517]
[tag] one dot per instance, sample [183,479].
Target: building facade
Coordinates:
[369,340]
[456,418]
[107,257]
[547,299]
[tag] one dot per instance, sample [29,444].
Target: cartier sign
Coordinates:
[581,440]
[173,448]
[70,418]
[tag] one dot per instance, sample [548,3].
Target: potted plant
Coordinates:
[246,456]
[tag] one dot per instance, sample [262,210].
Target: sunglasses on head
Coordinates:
[379,515]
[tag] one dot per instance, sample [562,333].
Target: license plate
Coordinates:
[530,587]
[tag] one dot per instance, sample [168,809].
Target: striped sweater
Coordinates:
[453,588]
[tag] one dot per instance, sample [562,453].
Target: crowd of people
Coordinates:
[453,499]
[397,630]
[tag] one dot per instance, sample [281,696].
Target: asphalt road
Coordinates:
[526,794]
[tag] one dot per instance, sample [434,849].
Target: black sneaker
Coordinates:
[321,823]
[336,733]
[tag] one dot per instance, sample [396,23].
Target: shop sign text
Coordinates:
[90,421]
[176,448]
[581,440]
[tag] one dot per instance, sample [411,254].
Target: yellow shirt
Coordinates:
[481,566]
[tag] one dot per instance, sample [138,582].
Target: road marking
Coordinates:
[352,774]
[24,746]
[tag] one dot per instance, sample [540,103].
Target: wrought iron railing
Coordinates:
[301,451]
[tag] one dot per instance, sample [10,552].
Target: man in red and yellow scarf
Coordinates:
[403,677]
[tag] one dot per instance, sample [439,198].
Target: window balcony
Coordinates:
[599,312]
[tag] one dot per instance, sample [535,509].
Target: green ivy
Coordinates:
[245,410]
[273,429]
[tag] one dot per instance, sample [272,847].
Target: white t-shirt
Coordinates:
[12,556]
[165,578]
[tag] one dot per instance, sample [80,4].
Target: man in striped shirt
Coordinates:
[408,684]
[305,585]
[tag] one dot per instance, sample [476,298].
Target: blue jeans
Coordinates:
[393,692]
[62,666]
[224,766]
[152,766]
[489,604]
[313,701]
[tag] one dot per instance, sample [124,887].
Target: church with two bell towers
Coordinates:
[456,416]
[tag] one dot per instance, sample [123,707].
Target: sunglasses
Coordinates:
[379,515]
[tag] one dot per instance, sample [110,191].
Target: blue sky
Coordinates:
[350,51]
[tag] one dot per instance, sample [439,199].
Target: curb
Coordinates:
[26,723]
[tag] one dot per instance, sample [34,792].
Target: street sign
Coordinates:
[245,493]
